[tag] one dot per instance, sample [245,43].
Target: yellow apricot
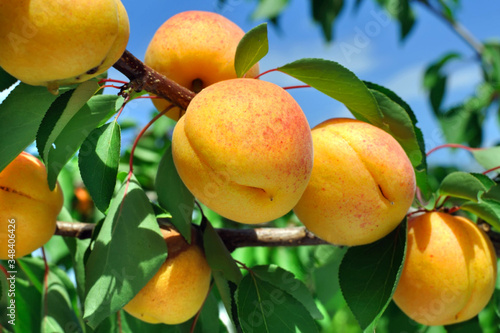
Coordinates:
[58,42]
[362,183]
[244,149]
[28,208]
[450,270]
[179,288]
[195,49]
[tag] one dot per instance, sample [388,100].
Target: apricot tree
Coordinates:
[156,235]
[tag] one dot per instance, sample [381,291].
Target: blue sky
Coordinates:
[380,57]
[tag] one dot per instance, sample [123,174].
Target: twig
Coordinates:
[143,77]
[232,238]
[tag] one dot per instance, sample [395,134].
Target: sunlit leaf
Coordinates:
[251,48]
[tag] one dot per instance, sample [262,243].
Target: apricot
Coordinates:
[450,270]
[59,42]
[28,208]
[361,186]
[244,149]
[195,49]
[179,288]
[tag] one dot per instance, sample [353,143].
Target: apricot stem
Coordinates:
[452,145]
[297,87]
[266,72]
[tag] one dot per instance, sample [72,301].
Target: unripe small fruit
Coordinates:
[195,49]
[362,183]
[179,288]
[450,270]
[27,202]
[59,42]
[244,149]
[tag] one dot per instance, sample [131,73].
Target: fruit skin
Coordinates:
[450,270]
[361,186]
[179,288]
[244,149]
[26,198]
[59,42]
[195,45]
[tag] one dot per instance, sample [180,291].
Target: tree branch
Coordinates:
[143,77]
[458,28]
[232,238]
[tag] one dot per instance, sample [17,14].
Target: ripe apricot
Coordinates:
[179,288]
[362,183]
[195,49]
[244,149]
[28,208]
[59,42]
[450,270]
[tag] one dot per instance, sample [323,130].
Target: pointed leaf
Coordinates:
[269,9]
[6,80]
[127,253]
[265,308]
[488,158]
[227,292]
[368,275]
[218,256]
[173,195]
[488,210]
[325,12]
[286,281]
[98,162]
[58,313]
[339,83]
[20,116]
[71,130]
[465,185]
[251,48]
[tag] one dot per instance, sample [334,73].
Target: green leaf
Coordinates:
[263,307]
[227,292]
[64,108]
[489,158]
[435,80]
[173,195]
[465,185]
[6,80]
[58,313]
[218,257]
[406,17]
[127,253]
[325,12]
[98,162]
[488,210]
[368,275]
[461,124]
[251,48]
[286,281]
[71,130]
[269,9]
[20,116]
[401,127]
[339,83]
